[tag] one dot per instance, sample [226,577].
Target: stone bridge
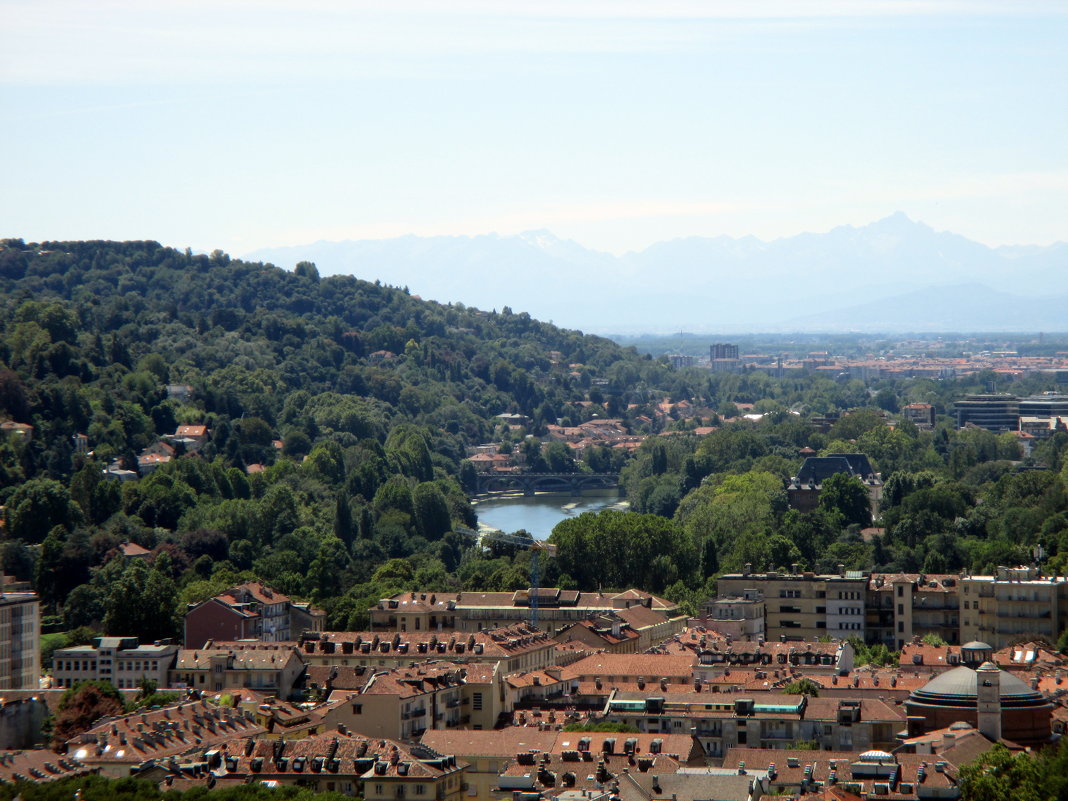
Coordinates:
[529,483]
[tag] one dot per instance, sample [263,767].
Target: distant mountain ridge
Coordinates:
[891,275]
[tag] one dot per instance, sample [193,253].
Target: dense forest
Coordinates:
[339,412]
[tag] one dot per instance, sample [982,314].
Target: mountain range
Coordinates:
[893,275]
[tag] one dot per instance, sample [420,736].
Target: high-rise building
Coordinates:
[723,350]
[20,639]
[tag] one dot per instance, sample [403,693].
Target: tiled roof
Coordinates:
[651,666]
[236,659]
[511,740]
[255,591]
[490,644]
[160,732]
[336,753]
[38,766]
[935,777]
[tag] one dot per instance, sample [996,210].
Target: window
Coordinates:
[901,609]
[900,592]
[900,627]
[378,789]
[419,788]
[476,701]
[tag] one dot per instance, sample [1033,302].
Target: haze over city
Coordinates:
[243,126]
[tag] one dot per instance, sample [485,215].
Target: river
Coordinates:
[540,514]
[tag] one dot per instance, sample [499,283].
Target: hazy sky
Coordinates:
[251,124]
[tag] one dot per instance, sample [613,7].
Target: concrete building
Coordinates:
[1016,602]
[1048,404]
[922,415]
[997,413]
[804,605]
[405,702]
[763,720]
[722,350]
[122,661]
[738,617]
[901,606]
[20,639]
[270,670]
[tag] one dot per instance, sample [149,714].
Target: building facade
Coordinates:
[475,611]
[997,413]
[122,661]
[804,605]
[1016,603]
[20,640]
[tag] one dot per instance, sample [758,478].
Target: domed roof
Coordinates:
[877,756]
[976,645]
[959,686]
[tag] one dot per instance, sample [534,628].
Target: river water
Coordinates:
[540,513]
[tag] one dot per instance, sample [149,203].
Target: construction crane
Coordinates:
[536,547]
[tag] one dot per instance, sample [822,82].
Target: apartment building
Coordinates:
[804,605]
[738,617]
[761,720]
[1016,602]
[921,415]
[250,611]
[475,611]
[270,670]
[20,639]
[122,661]
[517,647]
[902,606]
[405,702]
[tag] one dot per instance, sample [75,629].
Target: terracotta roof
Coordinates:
[255,591]
[236,659]
[160,732]
[38,767]
[131,549]
[489,644]
[355,755]
[651,666]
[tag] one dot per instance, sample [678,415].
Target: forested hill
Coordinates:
[381,390]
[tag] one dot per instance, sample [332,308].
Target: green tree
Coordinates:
[847,497]
[142,602]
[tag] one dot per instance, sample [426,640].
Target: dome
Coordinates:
[976,645]
[958,687]
[877,756]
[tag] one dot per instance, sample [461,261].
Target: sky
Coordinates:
[241,124]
